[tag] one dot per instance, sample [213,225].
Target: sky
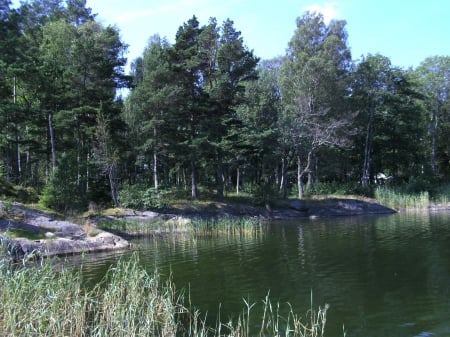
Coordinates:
[406,31]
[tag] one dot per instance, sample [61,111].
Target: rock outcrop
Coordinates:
[58,237]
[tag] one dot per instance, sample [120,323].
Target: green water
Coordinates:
[382,276]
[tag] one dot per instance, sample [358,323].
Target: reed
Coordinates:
[41,301]
[397,199]
[226,226]
[196,227]
[441,195]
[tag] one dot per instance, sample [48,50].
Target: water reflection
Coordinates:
[382,276]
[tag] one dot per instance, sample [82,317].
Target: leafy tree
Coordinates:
[70,67]
[389,114]
[190,65]
[259,149]
[61,193]
[229,71]
[105,154]
[314,86]
[434,75]
[148,106]
[9,109]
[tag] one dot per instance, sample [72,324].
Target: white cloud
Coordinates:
[328,10]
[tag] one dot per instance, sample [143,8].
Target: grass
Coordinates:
[15,233]
[131,227]
[226,226]
[40,301]
[196,227]
[397,199]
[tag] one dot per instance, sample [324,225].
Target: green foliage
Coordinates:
[441,194]
[24,233]
[421,192]
[264,194]
[339,188]
[200,111]
[18,193]
[7,189]
[6,208]
[63,193]
[143,197]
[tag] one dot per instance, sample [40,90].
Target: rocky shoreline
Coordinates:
[58,237]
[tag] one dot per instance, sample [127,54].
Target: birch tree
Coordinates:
[314,86]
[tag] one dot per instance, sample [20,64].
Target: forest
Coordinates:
[206,116]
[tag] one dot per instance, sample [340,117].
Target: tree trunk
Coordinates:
[434,136]
[238,173]
[52,140]
[88,158]
[194,190]
[219,176]
[155,163]
[368,146]
[19,163]
[299,177]
[283,184]
[311,175]
[113,184]
[155,170]
[16,131]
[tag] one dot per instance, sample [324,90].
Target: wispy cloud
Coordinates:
[328,10]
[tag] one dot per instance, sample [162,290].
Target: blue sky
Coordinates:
[406,31]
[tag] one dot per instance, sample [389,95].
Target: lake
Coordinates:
[381,275]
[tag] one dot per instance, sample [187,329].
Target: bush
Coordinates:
[141,197]
[264,194]
[61,192]
[337,188]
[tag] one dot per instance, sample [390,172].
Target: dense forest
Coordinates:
[206,114]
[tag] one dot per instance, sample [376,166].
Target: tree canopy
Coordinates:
[204,113]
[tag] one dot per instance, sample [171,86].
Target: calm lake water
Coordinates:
[382,276]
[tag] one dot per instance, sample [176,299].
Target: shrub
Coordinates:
[338,188]
[141,197]
[264,194]
[61,192]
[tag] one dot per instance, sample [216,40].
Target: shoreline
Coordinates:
[66,238]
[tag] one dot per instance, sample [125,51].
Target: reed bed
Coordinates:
[196,227]
[233,226]
[396,199]
[41,301]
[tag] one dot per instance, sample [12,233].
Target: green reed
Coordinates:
[38,301]
[397,199]
[41,301]
[244,226]
[196,227]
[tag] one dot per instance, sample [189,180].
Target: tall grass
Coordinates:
[40,301]
[397,199]
[197,227]
[226,226]
[441,194]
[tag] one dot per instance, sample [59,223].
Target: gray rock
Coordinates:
[298,205]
